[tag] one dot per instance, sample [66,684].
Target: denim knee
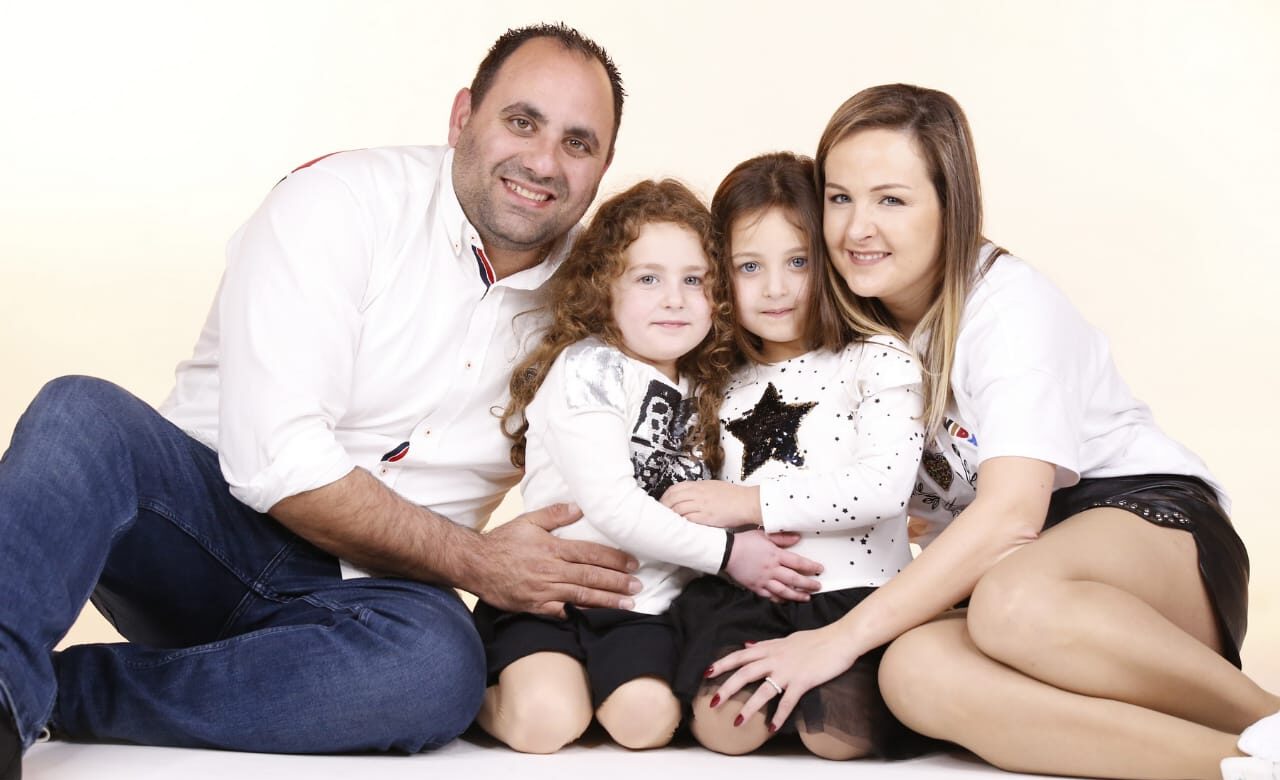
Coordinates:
[77,406]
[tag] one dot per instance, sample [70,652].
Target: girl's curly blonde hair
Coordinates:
[580,304]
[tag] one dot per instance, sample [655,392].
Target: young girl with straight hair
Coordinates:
[1107,588]
[822,433]
[616,404]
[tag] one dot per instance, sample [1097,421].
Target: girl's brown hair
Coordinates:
[941,134]
[783,181]
[580,304]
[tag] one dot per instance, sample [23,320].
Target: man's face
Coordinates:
[530,156]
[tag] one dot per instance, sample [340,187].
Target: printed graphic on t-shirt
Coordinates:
[657,441]
[947,481]
[769,431]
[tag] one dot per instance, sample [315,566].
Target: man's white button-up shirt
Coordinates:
[358,324]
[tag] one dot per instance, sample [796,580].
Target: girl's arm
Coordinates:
[587,440]
[1008,511]
[887,440]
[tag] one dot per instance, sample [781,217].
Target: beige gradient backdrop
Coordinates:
[1128,150]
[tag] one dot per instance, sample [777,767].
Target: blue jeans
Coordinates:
[242,635]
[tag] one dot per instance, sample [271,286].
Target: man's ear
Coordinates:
[459,114]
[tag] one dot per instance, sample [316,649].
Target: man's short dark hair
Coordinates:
[570,39]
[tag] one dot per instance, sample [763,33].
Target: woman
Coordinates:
[1107,589]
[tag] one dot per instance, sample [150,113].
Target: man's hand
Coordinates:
[759,564]
[529,570]
[518,566]
[715,503]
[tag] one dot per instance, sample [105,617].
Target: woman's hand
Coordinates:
[796,663]
[715,503]
[759,564]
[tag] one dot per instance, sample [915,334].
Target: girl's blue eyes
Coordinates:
[751,266]
[693,281]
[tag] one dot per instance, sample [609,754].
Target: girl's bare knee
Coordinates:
[540,704]
[640,714]
[714,729]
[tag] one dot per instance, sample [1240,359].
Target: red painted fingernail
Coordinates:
[714,701]
[748,643]
[773,728]
[737,721]
[710,672]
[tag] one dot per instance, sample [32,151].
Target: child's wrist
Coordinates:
[756,512]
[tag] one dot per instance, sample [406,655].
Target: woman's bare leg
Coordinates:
[1109,605]
[937,682]
[541,703]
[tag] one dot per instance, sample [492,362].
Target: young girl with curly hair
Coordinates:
[615,405]
[822,431]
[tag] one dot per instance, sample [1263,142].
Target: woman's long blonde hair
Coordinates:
[580,304]
[942,136]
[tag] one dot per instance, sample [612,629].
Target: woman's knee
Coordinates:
[640,714]
[1013,613]
[917,682]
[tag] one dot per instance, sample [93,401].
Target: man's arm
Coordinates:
[519,566]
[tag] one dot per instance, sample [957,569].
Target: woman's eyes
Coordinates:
[798,262]
[749,267]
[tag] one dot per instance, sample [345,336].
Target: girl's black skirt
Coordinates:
[714,617]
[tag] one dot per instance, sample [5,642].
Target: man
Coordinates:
[362,334]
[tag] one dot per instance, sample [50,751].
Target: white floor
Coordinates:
[477,758]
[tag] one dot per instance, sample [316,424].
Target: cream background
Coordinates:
[1128,150]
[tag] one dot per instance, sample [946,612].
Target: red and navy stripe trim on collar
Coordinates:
[484,266]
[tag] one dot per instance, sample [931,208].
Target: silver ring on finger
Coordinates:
[774,685]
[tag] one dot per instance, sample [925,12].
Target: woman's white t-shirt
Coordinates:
[1033,379]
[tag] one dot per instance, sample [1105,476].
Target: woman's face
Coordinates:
[882,221]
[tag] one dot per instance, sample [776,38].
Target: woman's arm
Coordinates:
[1007,513]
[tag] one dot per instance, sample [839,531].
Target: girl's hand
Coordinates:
[764,568]
[715,503]
[795,663]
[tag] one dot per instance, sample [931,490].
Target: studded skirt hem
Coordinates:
[1187,504]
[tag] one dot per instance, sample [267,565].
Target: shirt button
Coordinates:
[383,470]
[426,432]
[468,364]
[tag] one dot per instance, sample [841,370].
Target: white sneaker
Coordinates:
[1262,739]
[1250,768]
